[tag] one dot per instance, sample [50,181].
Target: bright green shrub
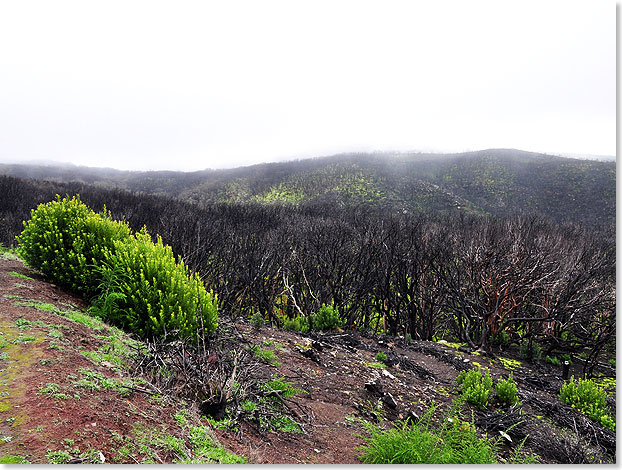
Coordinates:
[381,357]
[587,397]
[134,282]
[161,295]
[64,239]
[327,319]
[506,391]
[476,388]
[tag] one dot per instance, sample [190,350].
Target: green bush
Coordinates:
[327,319]
[381,357]
[476,388]
[506,391]
[64,239]
[161,295]
[134,282]
[587,397]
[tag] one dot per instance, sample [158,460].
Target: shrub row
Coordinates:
[100,258]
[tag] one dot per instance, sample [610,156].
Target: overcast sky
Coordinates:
[198,84]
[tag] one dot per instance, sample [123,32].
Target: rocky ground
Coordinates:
[67,393]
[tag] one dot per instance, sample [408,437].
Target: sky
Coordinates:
[189,85]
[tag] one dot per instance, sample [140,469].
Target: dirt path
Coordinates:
[66,393]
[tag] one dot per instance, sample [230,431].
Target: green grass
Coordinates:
[193,444]
[376,365]
[53,390]
[453,441]
[93,381]
[266,355]
[24,339]
[20,276]
[13,459]
[56,334]
[511,364]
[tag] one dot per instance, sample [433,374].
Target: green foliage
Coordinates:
[20,276]
[454,442]
[506,391]
[53,390]
[612,363]
[58,457]
[257,320]
[266,355]
[284,388]
[64,237]
[160,294]
[530,351]
[13,459]
[327,318]
[136,283]
[553,360]
[106,303]
[587,397]
[297,323]
[502,339]
[476,388]
[381,357]
[206,450]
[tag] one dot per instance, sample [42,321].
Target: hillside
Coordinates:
[71,393]
[497,182]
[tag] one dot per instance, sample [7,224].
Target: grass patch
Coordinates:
[376,365]
[13,459]
[266,355]
[53,390]
[20,276]
[511,364]
[450,344]
[93,381]
[454,441]
[24,339]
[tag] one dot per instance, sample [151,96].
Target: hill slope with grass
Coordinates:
[499,182]
[72,393]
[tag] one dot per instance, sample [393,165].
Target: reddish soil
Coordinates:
[333,368]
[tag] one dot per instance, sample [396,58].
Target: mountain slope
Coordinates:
[497,182]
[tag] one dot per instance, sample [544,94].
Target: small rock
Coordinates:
[412,417]
[388,374]
[373,387]
[506,436]
[388,400]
